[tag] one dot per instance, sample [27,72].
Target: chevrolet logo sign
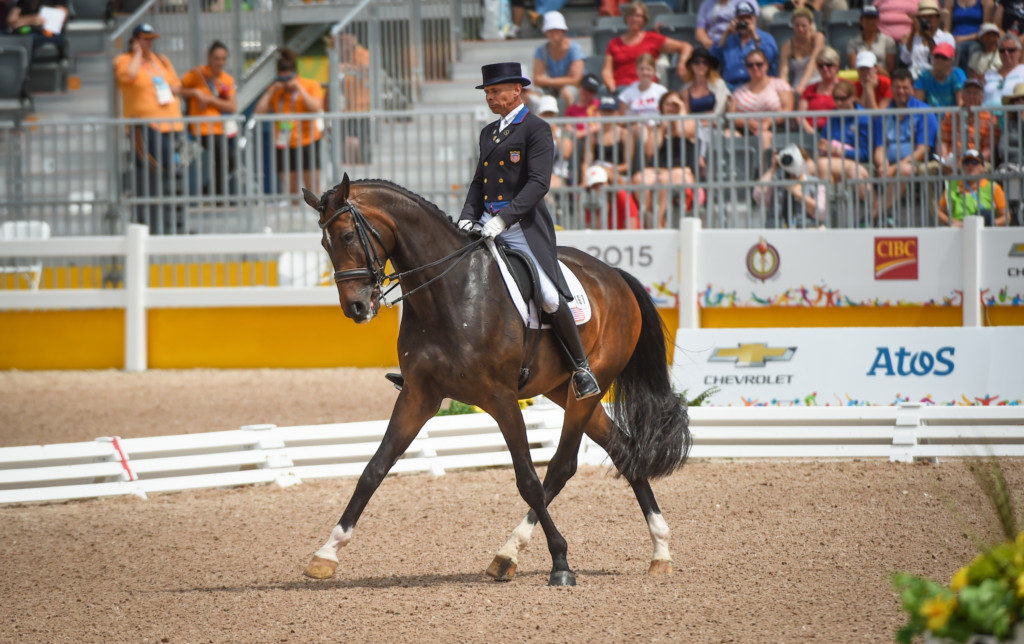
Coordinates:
[751,355]
[1016,250]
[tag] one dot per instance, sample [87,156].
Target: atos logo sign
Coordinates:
[906,363]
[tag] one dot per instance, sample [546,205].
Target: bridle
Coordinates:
[374,271]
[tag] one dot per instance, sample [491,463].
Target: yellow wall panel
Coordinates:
[793,316]
[62,339]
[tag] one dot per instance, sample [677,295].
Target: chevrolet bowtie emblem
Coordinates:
[751,355]
[1017,250]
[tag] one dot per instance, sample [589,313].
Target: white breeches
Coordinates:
[514,237]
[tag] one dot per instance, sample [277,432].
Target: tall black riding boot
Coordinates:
[584,384]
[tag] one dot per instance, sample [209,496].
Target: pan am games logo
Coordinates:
[763,260]
[895,258]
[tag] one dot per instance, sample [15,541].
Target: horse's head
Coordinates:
[357,250]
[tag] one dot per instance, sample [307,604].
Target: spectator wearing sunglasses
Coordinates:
[818,97]
[941,86]
[764,93]
[1011,72]
[975,196]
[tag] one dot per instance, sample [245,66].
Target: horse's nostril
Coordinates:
[358,308]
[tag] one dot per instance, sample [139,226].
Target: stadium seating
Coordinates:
[14,97]
[842,27]
[86,30]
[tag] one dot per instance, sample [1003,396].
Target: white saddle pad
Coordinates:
[579,304]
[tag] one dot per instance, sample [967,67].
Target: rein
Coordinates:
[375,267]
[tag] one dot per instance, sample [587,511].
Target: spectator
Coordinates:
[1009,15]
[297,139]
[623,213]
[611,144]
[704,92]
[818,97]
[642,97]
[846,142]
[963,18]
[764,93]
[585,104]
[23,18]
[798,58]
[354,72]
[874,90]
[558,63]
[986,57]
[674,157]
[804,204]
[906,138]
[895,18]
[211,93]
[149,90]
[713,18]
[1011,140]
[976,196]
[980,129]
[999,84]
[872,39]
[917,46]
[741,38]
[941,85]
[623,51]
[561,168]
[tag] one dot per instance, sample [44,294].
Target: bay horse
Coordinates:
[462,338]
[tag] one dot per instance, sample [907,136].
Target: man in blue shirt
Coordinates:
[906,138]
[740,39]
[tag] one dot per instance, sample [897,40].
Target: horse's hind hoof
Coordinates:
[502,569]
[320,568]
[562,578]
[661,567]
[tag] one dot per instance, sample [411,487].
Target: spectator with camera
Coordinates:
[872,39]
[211,93]
[975,196]
[763,93]
[873,89]
[916,48]
[297,139]
[798,58]
[623,51]
[740,39]
[802,202]
[713,18]
[941,85]
[558,63]
[845,146]
[906,138]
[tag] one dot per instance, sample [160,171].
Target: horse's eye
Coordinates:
[348,237]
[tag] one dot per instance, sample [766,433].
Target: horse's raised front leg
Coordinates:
[510,420]
[412,410]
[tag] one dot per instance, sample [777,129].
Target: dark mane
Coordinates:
[428,206]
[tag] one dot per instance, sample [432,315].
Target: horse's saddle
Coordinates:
[524,273]
[520,275]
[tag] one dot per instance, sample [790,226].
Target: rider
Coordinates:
[506,198]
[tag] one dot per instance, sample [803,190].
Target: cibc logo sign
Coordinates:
[895,258]
[903,362]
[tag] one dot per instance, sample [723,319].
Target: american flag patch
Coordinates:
[578,315]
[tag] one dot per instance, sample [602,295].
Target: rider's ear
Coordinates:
[311,199]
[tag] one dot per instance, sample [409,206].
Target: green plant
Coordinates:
[456,408]
[985,597]
[700,399]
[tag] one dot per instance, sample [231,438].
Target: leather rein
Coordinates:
[375,271]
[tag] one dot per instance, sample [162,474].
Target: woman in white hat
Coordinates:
[916,48]
[558,63]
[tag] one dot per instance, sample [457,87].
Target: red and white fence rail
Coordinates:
[111,466]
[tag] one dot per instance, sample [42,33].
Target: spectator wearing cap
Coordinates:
[763,93]
[975,196]
[738,40]
[1011,72]
[985,57]
[873,89]
[24,18]
[713,18]
[558,63]
[974,129]
[798,58]
[872,39]
[623,51]
[149,90]
[611,146]
[1009,15]
[941,85]
[963,18]
[623,212]
[906,138]
[817,97]
[584,107]
[916,48]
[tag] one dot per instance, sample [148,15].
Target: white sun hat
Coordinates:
[554,20]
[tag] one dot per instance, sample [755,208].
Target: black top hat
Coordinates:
[496,73]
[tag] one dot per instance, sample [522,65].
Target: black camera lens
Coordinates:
[742,24]
[786,159]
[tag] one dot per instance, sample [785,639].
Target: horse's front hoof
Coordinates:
[661,567]
[562,578]
[320,568]
[502,569]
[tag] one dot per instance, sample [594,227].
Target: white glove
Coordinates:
[466,225]
[493,227]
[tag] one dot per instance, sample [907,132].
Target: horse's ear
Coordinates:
[343,187]
[311,199]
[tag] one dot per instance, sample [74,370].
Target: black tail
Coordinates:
[653,436]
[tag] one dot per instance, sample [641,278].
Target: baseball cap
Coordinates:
[591,83]
[745,9]
[554,20]
[971,153]
[869,11]
[987,28]
[608,104]
[144,30]
[595,175]
[866,59]
[944,49]
[547,105]
[974,82]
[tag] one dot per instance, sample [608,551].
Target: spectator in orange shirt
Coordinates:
[149,90]
[297,139]
[354,60]
[211,92]
[979,124]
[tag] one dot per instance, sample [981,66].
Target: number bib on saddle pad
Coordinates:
[579,304]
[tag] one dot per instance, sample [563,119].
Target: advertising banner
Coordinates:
[829,268]
[852,366]
[1002,267]
[649,255]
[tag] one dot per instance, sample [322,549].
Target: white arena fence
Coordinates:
[110,466]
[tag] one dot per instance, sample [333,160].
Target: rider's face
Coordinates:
[501,98]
